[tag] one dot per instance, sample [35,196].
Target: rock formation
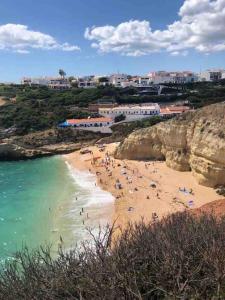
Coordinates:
[46,143]
[194,141]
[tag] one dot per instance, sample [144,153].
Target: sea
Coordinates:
[46,202]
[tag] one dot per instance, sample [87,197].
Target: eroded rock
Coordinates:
[194,141]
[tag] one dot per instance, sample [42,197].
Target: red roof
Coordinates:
[90,120]
[174,109]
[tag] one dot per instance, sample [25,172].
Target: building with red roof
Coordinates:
[89,122]
[173,110]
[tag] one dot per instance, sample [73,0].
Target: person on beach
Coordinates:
[154,216]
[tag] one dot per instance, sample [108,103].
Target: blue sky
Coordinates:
[120,44]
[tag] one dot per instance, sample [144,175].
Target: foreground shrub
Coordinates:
[182,257]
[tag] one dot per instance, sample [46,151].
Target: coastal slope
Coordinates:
[193,142]
[45,143]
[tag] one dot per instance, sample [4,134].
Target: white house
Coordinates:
[118,79]
[172,77]
[35,81]
[59,84]
[87,84]
[144,81]
[90,122]
[131,112]
[212,75]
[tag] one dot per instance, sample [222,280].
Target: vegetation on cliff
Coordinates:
[31,109]
[181,257]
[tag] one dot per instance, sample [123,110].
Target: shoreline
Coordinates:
[89,208]
[148,188]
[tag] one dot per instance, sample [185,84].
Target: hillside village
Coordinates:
[43,103]
[153,80]
[106,112]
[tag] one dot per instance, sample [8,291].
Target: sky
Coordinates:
[101,37]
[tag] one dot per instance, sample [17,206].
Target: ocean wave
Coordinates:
[88,189]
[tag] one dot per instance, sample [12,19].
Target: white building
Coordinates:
[52,82]
[59,84]
[138,82]
[131,112]
[172,77]
[87,84]
[144,81]
[212,75]
[159,77]
[35,81]
[90,122]
[118,79]
[128,83]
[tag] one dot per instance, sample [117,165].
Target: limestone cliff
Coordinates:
[193,142]
[46,143]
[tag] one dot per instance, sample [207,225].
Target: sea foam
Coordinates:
[95,202]
[89,189]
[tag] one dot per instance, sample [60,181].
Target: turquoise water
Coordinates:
[32,197]
[41,200]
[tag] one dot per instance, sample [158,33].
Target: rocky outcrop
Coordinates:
[193,142]
[14,152]
[46,143]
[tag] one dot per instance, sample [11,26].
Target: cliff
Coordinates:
[46,143]
[193,142]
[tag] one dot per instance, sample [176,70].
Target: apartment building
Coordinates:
[212,75]
[172,77]
[59,84]
[131,112]
[118,79]
[89,122]
[35,81]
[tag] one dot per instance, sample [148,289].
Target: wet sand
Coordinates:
[147,188]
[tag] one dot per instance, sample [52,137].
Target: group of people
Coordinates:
[184,190]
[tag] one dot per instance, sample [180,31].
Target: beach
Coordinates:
[141,189]
[41,204]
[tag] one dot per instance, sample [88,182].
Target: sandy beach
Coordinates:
[142,189]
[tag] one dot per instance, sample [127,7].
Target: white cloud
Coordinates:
[200,26]
[19,38]
[179,53]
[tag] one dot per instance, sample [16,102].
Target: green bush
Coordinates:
[38,108]
[181,257]
[120,118]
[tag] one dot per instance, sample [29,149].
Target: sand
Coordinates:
[147,187]
[2,102]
